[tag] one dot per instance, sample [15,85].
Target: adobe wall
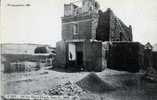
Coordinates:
[111,28]
[103,27]
[93,56]
[84,27]
[118,30]
[61,54]
[126,56]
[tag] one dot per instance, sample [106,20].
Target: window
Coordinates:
[75,29]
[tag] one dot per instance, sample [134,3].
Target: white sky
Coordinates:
[41,23]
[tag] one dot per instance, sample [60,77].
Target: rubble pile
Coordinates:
[68,88]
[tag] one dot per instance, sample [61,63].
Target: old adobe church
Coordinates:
[87,35]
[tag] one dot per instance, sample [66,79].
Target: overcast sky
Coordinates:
[40,22]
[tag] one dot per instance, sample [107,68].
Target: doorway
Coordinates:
[79,58]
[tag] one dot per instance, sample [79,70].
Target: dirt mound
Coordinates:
[93,83]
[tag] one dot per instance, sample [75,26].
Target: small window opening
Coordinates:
[75,29]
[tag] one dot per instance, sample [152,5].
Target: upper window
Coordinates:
[75,29]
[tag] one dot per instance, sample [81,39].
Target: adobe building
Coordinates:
[86,36]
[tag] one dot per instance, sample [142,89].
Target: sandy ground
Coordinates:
[26,83]
[130,86]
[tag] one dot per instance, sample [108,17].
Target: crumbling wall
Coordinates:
[111,28]
[118,30]
[69,9]
[102,31]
